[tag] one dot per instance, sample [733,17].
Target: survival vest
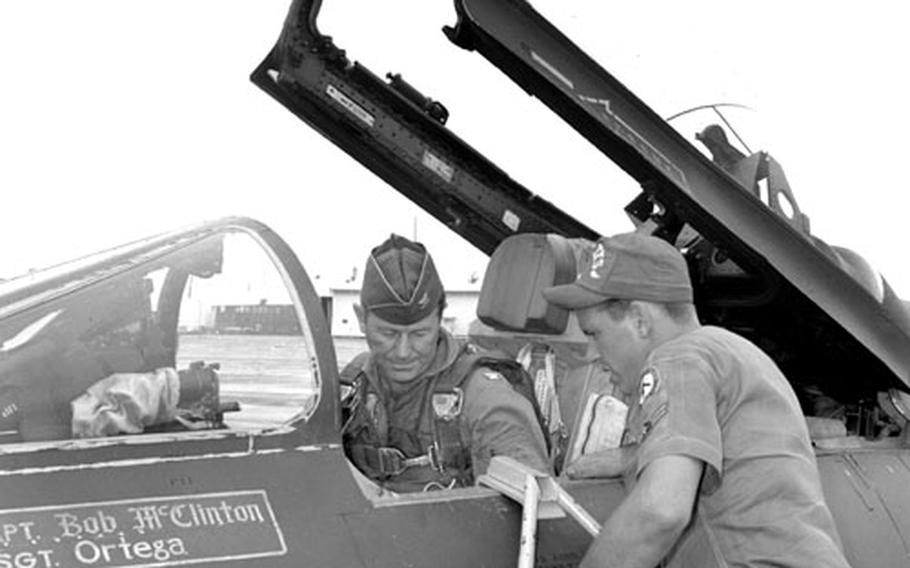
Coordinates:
[435,455]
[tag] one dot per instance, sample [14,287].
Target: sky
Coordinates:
[121,119]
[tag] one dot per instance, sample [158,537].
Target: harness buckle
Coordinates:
[391,460]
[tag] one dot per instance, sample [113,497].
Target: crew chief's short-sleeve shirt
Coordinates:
[716,397]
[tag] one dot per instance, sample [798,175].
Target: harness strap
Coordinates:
[446,401]
[447,440]
[388,461]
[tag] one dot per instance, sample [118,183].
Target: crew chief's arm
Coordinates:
[645,526]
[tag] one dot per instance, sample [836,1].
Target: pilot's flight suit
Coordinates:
[446,426]
[716,397]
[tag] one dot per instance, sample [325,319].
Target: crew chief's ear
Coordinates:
[361,317]
[641,317]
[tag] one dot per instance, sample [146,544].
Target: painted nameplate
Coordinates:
[159,531]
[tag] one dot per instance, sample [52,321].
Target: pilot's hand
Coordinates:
[611,462]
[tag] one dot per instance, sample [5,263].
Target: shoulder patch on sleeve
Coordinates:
[649,383]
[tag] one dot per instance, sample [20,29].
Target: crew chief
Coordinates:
[722,472]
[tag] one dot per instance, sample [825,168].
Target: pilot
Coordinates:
[426,411]
[720,470]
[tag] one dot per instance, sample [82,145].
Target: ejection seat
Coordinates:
[572,386]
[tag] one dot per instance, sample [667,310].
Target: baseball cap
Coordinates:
[400,282]
[628,266]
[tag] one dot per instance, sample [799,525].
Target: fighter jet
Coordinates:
[176,400]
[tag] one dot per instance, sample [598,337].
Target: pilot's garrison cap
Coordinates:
[628,266]
[400,282]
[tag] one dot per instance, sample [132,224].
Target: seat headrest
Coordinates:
[520,267]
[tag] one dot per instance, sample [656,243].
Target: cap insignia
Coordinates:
[598,257]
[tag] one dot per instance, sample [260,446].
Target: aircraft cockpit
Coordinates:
[181,392]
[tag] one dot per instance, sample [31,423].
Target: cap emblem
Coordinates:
[598,258]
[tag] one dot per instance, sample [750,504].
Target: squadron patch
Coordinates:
[647,384]
[447,405]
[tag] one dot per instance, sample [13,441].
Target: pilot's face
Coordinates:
[401,352]
[618,342]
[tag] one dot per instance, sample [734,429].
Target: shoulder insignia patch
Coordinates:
[447,405]
[493,376]
[648,383]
